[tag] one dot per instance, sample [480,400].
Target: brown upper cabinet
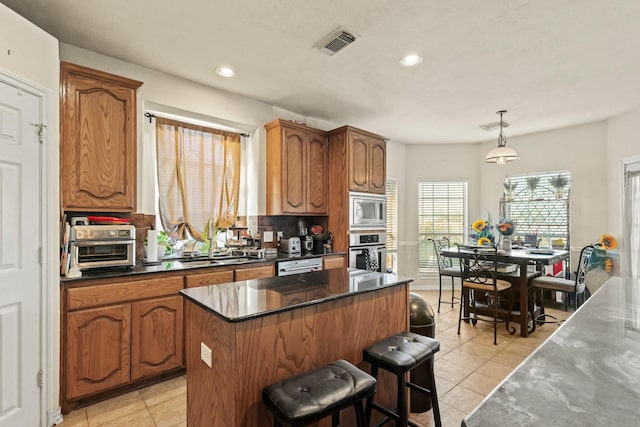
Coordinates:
[98,140]
[366,159]
[297,179]
[357,162]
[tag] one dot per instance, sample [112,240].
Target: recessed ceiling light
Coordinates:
[225,72]
[411,60]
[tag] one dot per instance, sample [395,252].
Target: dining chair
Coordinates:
[574,287]
[446,268]
[482,288]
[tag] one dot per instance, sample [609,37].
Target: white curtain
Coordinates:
[632,223]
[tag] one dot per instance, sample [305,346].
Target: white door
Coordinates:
[20,269]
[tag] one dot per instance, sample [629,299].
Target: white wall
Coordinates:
[623,141]
[582,150]
[30,55]
[432,162]
[205,102]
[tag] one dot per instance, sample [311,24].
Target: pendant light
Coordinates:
[501,154]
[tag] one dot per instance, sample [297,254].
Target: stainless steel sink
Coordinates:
[204,260]
[195,263]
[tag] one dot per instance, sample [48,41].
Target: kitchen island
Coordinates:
[265,330]
[586,374]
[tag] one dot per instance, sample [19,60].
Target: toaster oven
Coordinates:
[100,246]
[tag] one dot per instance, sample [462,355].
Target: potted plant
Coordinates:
[532,184]
[559,182]
[509,188]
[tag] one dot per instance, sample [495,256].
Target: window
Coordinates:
[392,225]
[442,212]
[539,206]
[198,177]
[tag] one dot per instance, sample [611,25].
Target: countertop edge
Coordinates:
[240,319]
[141,269]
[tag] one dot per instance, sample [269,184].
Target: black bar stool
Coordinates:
[311,396]
[400,354]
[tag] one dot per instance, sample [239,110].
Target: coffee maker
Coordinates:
[307,244]
[322,243]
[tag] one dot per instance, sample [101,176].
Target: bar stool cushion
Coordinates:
[451,271]
[320,392]
[401,352]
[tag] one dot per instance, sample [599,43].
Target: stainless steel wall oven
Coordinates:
[367,251]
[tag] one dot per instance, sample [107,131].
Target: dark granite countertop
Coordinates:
[249,299]
[168,265]
[586,374]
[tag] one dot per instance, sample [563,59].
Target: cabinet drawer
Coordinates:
[249,273]
[211,278]
[113,293]
[333,261]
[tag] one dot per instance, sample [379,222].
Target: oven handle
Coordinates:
[367,246]
[304,269]
[101,242]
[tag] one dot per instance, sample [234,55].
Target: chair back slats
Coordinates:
[438,246]
[478,264]
[583,266]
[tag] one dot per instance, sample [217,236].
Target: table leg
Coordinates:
[524,301]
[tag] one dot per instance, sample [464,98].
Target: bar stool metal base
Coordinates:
[399,354]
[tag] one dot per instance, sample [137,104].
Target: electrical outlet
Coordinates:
[205,354]
[267,236]
[280,235]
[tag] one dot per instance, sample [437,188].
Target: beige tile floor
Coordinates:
[468,367]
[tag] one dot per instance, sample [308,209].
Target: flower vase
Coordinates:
[505,245]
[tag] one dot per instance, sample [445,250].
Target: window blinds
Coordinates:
[441,213]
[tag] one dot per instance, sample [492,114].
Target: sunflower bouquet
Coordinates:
[600,257]
[482,233]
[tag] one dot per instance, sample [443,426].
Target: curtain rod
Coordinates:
[152,116]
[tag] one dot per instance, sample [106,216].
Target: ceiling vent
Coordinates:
[494,125]
[335,41]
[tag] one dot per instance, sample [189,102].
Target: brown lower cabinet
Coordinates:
[98,350]
[117,333]
[333,261]
[216,277]
[120,333]
[254,272]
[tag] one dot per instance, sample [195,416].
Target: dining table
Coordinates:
[524,258]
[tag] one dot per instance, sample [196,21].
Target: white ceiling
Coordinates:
[550,63]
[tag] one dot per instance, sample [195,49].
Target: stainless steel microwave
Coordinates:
[367,211]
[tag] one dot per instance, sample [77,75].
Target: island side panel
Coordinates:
[275,347]
[210,398]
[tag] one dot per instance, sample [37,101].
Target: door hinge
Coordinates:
[40,378]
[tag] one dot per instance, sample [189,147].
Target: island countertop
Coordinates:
[243,336]
[587,373]
[249,299]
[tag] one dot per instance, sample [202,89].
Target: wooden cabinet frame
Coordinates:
[98,141]
[357,162]
[297,169]
[118,332]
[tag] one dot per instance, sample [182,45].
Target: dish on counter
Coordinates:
[104,220]
[535,251]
